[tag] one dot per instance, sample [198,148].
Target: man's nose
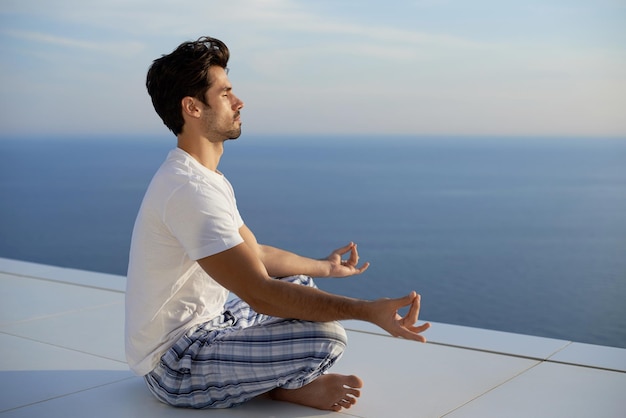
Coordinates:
[238,103]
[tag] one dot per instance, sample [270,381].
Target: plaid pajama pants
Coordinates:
[242,354]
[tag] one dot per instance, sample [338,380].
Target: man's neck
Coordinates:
[206,152]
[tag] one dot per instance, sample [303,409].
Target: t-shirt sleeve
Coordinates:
[204,219]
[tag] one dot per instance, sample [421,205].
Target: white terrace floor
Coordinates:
[61,336]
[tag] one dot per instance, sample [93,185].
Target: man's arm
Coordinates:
[281,263]
[240,270]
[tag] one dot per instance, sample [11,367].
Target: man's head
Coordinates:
[184,73]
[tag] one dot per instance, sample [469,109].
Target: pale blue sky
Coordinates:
[460,67]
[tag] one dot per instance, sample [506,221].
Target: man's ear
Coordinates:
[190,107]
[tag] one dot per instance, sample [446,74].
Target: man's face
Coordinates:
[221,118]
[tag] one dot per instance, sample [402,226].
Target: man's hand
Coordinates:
[344,268]
[385,315]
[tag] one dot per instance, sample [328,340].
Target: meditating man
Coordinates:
[195,346]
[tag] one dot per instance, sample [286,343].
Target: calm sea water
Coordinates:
[520,235]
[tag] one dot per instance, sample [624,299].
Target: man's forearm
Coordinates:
[281,263]
[287,300]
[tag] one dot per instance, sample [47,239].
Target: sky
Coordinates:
[422,67]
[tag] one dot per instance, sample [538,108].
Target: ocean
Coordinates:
[525,235]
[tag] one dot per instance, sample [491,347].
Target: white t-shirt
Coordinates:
[189,212]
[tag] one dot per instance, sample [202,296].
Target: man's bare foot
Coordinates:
[329,392]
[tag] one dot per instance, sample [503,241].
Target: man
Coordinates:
[190,247]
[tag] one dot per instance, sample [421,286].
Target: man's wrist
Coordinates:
[323,268]
[362,310]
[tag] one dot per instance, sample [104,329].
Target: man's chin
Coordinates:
[235,134]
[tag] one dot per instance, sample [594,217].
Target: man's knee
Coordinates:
[316,348]
[332,336]
[337,331]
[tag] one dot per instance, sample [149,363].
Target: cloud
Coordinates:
[116,48]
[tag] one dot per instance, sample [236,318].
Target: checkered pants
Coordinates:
[242,354]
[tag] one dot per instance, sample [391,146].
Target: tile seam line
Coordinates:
[348,414]
[4,324]
[547,359]
[63,347]
[587,366]
[550,359]
[482,350]
[540,362]
[65,395]
[67,282]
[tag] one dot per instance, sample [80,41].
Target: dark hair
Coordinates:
[184,72]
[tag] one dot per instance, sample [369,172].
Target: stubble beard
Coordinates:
[213,128]
[234,133]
